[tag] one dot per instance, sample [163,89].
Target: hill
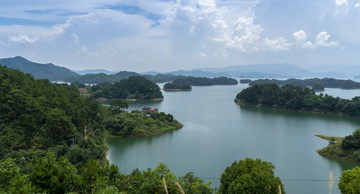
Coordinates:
[39,71]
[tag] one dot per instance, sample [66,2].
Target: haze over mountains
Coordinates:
[56,73]
[39,71]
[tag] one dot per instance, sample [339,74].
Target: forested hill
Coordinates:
[315,83]
[297,98]
[101,77]
[135,87]
[39,71]
[37,116]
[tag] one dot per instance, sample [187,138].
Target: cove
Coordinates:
[217,131]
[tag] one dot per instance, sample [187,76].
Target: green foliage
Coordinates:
[11,180]
[118,105]
[352,141]
[101,77]
[54,176]
[315,83]
[137,124]
[250,176]
[178,84]
[297,98]
[135,87]
[51,175]
[37,116]
[350,181]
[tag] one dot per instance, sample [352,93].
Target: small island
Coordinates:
[344,149]
[146,123]
[296,98]
[180,84]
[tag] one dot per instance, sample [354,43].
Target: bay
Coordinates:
[217,131]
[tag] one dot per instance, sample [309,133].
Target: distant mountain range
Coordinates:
[56,73]
[39,71]
[94,71]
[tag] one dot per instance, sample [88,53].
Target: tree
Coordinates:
[250,176]
[117,105]
[350,181]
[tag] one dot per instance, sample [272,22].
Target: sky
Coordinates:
[167,35]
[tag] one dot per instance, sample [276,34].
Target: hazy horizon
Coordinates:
[169,35]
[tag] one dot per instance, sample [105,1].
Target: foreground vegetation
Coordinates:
[297,98]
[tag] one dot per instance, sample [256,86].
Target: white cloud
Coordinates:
[243,34]
[22,39]
[278,44]
[357,5]
[322,40]
[75,38]
[300,36]
[341,2]
[203,55]
[309,45]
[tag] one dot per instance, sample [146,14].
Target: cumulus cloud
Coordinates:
[300,36]
[309,45]
[278,44]
[341,2]
[242,35]
[22,39]
[357,5]
[322,39]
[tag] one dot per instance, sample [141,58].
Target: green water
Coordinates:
[217,131]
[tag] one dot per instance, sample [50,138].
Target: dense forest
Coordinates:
[315,83]
[178,84]
[297,98]
[37,116]
[135,87]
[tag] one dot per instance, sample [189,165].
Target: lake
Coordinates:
[217,131]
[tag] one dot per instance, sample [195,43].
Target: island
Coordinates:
[296,98]
[180,84]
[345,149]
[131,89]
[314,83]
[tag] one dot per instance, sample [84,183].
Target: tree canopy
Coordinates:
[250,176]
[350,181]
[297,98]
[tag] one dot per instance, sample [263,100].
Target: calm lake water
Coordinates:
[217,131]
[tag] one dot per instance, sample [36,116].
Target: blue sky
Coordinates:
[165,35]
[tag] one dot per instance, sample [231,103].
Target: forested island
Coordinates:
[297,98]
[132,88]
[314,83]
[346,149]
[180,84]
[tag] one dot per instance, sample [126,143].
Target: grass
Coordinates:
[335,151]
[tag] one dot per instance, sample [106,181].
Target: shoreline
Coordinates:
[328,151]
[177,90]
[287,109]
